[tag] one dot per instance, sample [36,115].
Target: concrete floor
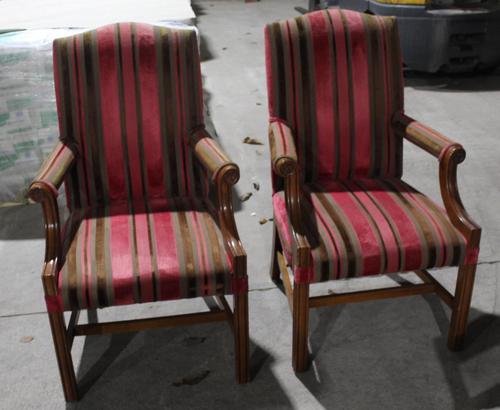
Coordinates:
[375,355]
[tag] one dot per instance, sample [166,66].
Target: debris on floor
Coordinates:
[193,340]
[265,220]
[245,197]
[192,379]
[256,186]
[26,339]
[252,141]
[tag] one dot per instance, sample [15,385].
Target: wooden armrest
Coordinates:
[283,153]
[224,174]
[52,173]
[449,154]
[213,158]
[424,137]
[284,163]
[293,197]
[44,189]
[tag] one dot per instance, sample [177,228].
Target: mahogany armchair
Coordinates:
[148,190]
[341,209]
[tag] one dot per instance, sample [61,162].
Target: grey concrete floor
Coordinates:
[385,354]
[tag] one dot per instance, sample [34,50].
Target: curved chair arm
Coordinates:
[284,163]
[44,189]
[224,174]
[449,154]
[283,153]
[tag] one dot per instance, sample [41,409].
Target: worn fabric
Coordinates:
[369,227]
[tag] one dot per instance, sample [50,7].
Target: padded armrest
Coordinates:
[213,158]
[283,153]
[425,137]
[52,172]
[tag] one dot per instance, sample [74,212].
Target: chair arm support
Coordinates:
[284,163]
[449,154]
[52,172]
[224,174]
[422,136]
[301,246]
[44,189]
[459,217]
[213,158]
[283,153]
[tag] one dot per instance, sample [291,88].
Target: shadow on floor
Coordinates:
[206,52]
[190,367]
[471,82]
[364,358]
[21,222]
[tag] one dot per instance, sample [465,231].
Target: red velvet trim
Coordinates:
[54,304]
[302,274]
[239,285]
[471,256]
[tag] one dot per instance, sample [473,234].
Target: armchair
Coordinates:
[341,209]
[139,170]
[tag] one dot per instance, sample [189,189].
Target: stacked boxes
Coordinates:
[28,117]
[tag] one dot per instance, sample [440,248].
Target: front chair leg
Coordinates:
[300,354]
[241,342]
[461,306]
[63,353]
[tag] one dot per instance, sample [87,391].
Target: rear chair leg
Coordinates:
[461,306]
[300,354]
[241,342]
[63,353]
[275,270]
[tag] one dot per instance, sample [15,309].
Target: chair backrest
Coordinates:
[128,95]
[335,77]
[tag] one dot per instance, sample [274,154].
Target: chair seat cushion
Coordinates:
[161,251]
[368,227]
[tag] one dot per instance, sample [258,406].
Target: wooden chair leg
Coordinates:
[241,342]
[275,270]
[300,354]
[63,353]
[461,306]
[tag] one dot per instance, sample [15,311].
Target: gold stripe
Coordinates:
[403,2]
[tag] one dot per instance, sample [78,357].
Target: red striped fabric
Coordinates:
[423,136]
[128,96]
[175,250]
[369,227]
[281,143]
[335,77]
[51,172]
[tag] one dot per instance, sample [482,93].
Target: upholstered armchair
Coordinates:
[148,190]
[341,209]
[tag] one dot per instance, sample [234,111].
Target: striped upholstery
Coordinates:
[209,153]
[335,77]
[423,136]
[173,251]
[335,80]
[282,143]
[51,172]
[368,227]
[129,98]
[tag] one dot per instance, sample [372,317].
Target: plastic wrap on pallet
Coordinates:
[28,117]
